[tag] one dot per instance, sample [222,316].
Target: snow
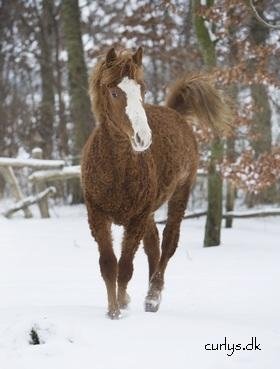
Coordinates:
[50,281]
[70,171]
[32,163]
[255,212]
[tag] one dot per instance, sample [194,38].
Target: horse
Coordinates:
[138,157]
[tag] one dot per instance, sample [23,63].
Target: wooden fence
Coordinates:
[43,171]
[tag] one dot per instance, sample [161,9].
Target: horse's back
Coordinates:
[170,130]
[174,148]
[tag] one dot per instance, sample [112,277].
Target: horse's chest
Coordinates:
[125,191]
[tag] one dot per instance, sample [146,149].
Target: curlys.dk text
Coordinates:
[232,347]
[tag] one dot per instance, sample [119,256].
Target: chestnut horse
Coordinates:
[137,158]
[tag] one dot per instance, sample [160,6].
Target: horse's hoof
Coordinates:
[114,314]
[152,303]
[153,300]
[151,307]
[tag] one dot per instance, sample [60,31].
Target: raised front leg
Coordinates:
[171,232]
[151,246]
[101,231]
[132,236]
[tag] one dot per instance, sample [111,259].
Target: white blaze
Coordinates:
[135,111]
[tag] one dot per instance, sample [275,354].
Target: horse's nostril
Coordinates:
[138,139]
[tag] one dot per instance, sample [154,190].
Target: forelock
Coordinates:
[111,75]
[122,67]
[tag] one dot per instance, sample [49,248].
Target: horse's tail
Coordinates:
[196,97]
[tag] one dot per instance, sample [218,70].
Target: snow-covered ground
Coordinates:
[50,281]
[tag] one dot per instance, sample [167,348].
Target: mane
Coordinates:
[104,75]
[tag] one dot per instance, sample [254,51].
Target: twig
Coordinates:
[260,19]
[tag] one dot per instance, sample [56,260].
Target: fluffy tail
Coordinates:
[196,97]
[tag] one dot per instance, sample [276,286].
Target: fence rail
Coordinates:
[43,171]
[31,163]
[234,214]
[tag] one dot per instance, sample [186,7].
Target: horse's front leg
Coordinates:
[101,231]
[133,234]
[171,232]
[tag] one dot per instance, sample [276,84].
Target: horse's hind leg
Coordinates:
[151,246]
[176,210]
[132,236]
[101,231]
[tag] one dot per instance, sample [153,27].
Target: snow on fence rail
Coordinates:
[252,213]
[54,170]
[31,163]
[234,214]
[12,182]
[54,175]
[23,204]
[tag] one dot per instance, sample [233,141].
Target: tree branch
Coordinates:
[260,19]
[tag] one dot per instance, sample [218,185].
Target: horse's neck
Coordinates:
[116,144]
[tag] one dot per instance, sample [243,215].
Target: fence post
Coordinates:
[11,179]
[37,153]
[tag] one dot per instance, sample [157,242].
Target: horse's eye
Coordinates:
[114,93]
[144,91]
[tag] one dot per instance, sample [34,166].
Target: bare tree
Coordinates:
[47,109]
[215,184]
[77,71]
[78,82]
[261,127]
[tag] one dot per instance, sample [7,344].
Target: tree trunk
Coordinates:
[78,82]
[261,128]
[78,79]
[3,90]
[2,94]
[230,187]
[230,155]
[215,184]
[212,236]
[62,134]
[233,93]
[47,103]
[230,199]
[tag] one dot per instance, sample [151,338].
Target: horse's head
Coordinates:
[118,91]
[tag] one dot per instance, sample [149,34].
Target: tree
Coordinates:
[77,72]
[215,183]
[230,142]
[2,84]
[62,134]
[261,127]
[47,109]
[78,82]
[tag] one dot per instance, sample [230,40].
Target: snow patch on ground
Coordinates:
[50,282]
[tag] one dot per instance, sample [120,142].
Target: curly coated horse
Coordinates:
[139,157]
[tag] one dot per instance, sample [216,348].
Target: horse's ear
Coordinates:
[137,57]
[111,56]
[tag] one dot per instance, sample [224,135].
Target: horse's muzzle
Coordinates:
[141,140]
